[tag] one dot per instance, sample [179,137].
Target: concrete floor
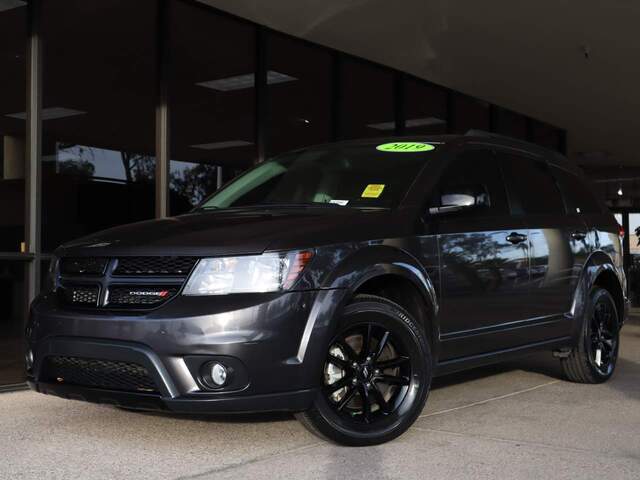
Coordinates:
[513,421]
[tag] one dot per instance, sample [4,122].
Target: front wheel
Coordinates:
[376,376]
[594,359]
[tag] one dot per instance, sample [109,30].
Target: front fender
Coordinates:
[339,286]
[375,261]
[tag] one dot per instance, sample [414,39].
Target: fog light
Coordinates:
[28,359]
[219,374]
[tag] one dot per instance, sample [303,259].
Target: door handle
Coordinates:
[516,238]
[578,235]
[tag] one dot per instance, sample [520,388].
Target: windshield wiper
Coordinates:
[268,205]
[205,208]
[294,204]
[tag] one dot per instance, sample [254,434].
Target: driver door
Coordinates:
[484,261]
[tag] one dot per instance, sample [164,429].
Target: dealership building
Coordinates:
[117,111]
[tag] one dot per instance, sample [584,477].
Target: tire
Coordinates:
[371,395]
[600,331]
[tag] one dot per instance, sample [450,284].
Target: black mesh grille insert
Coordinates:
[81,295]
[89,372]
[140,295]
[178,266]
[83,265]
[144,287]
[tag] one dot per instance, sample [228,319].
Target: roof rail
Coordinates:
[482,133]
[514,141]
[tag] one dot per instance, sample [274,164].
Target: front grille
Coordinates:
[178,266]
[81,295]
[144,276]
[140,295]
[83,265]
[89,372]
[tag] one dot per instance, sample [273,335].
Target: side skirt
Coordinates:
[473,361]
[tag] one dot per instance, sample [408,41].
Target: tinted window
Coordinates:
[425,107]
[367,105]
[578,198]
[300,108]
[510,123]
[546,135]
[532,188]
[13,41]
[98,124]
[469,113]
[12,291]
[477,167]
[211,100]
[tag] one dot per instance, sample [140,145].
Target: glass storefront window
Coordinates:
[469,113]
[100,65]
[211,100]
[425,108]
[12,310]
[299,106]
[99,97]
[366,100]
[633,267]
[546,135]
[13,40]
[510,124]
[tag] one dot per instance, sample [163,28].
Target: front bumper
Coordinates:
[274,341]
[295,401]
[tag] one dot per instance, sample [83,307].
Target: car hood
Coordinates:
[239,231]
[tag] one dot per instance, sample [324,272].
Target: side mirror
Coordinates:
[461,197]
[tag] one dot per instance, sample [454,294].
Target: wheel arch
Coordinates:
[608,280]
[394,274]
[599,270]
[371,269]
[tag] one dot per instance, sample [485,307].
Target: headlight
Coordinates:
[269,272]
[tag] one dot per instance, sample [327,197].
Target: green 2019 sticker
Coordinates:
[405,147]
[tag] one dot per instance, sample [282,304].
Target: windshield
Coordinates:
[353,176]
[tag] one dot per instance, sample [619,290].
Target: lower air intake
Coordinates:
[90,372]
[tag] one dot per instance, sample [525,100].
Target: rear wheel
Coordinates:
[594,359]
[375,378]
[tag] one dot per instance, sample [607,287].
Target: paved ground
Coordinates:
[517,421]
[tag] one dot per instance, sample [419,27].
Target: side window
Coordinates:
[477,168]
[532,189]
[576,194]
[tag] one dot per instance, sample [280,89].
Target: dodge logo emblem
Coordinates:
[149,293]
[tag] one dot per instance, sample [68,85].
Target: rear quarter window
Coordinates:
[578,197]
[531,187]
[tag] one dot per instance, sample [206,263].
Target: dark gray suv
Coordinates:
[335,282]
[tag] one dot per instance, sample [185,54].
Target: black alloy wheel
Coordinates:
[366,374]
[375,378]
[603,336]
[594,359]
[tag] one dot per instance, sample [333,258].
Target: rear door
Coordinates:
[557,240]
[484,263]
[579,202]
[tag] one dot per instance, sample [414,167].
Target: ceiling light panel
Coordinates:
[10,4]
[241,82]
[221,145]
[51,113]
[410,123]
